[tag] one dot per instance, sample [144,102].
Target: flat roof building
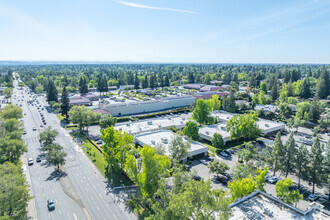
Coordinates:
[143,107]
[260,205]
[154,124]
[164,137]
[209,88]
[207,132]
[208,95]
[196,86]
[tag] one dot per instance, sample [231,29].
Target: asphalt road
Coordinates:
[97,199]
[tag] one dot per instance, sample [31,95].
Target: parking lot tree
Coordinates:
[178,149]
[301,163]
[260,179]
[52,93]
[240,170]
[278,153]
[191,130]
[201,112]
[11,149]
[218,167]
[14,193]
[217,141]
[284,193]
[92,118]
[48,136]
[243,126]
[241,187]
[56,157]
[77,115]
[107,121]
[11,111]
[290,153]
[154,167]
[8,92]
[248,153]
[315,169]
[65,103]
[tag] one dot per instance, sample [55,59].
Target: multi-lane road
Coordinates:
[79,192]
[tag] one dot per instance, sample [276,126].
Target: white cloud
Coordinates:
[131,4]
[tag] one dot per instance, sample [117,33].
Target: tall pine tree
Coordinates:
[65,103]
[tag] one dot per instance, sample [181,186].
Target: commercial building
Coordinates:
[266,126]
[91,97]
[196,86]
[260,205]
[132,108]
[154,124]
[209,88]
[266,108]
[164,137]
[78,100]
[208,95]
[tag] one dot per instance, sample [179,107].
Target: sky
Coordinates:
[166,31]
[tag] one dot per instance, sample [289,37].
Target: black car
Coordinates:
[227,152]
[38,159]
[222,179]
[197,178]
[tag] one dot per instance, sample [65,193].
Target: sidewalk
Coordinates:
[31,208]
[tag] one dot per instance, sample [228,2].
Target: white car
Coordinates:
[224,154]
[273,179]
[312,197]
[30,161]
[34,128]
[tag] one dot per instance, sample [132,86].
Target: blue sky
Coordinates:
[207,31]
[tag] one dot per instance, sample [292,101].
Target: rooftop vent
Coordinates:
[267,125]
[207,133]
[153,142]
[149,122]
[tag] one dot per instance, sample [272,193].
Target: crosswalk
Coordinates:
[31,140]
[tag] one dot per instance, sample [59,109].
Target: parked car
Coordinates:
[187,167]
[210,158]
[321,200]
[205,162]
[34,128]
[273,180]
[271,138]
[224,154]
[50,204]
[222,179]
[24,132]
[30,162]
[312,197]
[227,152]
[267,178]
[197,178]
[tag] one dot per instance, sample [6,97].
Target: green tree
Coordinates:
[263,87]
[83,117]
[274,91]
[191,130]
[131,168]
[240,170]
[326,167]
[201,112]
[52,93]
[243,126]
[241,187]
[65,103]
[145,83]
[39,89]
[278,153]
[11,111]
[154,167]
[305,92]
[56,157]
[284,193]
[107,121]
[178,149]
[214,103]
[218,167]
[48,136]
[315,169]
[217,141]
[289,155]
[322,87]
[248,153]
[11,149]
[14,193]
[136,82]
[301,162]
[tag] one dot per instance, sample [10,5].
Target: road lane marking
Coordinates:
[43,194]
[106,205]
[97,208]
[48,215]
[74,215]
[100,195]
[53,192]
[91,197]
[114,216]
[86,189]
[60,212]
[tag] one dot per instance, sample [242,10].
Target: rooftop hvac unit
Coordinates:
[183,118]
[120,129]
[181,122]
[140,129]
[267,125]
[153,142]
[207,133]
[129,131]
[159,126]
[149,122]
[223,128]
[128,125]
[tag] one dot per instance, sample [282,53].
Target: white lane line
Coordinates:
[86,189]
[106,205]
[91,197]
[100,195]
[74,215]
[43,194]
[114,216]
[97,208]
[60,212]
[48,215]
[53,192]
[94,186]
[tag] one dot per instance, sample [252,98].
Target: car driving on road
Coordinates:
[50,204]
[30,161]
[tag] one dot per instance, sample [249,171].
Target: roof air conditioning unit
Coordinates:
[149,122]
[153,142]
[267,125]
[207,133]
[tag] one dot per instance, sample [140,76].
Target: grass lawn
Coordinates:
[119,179]
[71,127]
